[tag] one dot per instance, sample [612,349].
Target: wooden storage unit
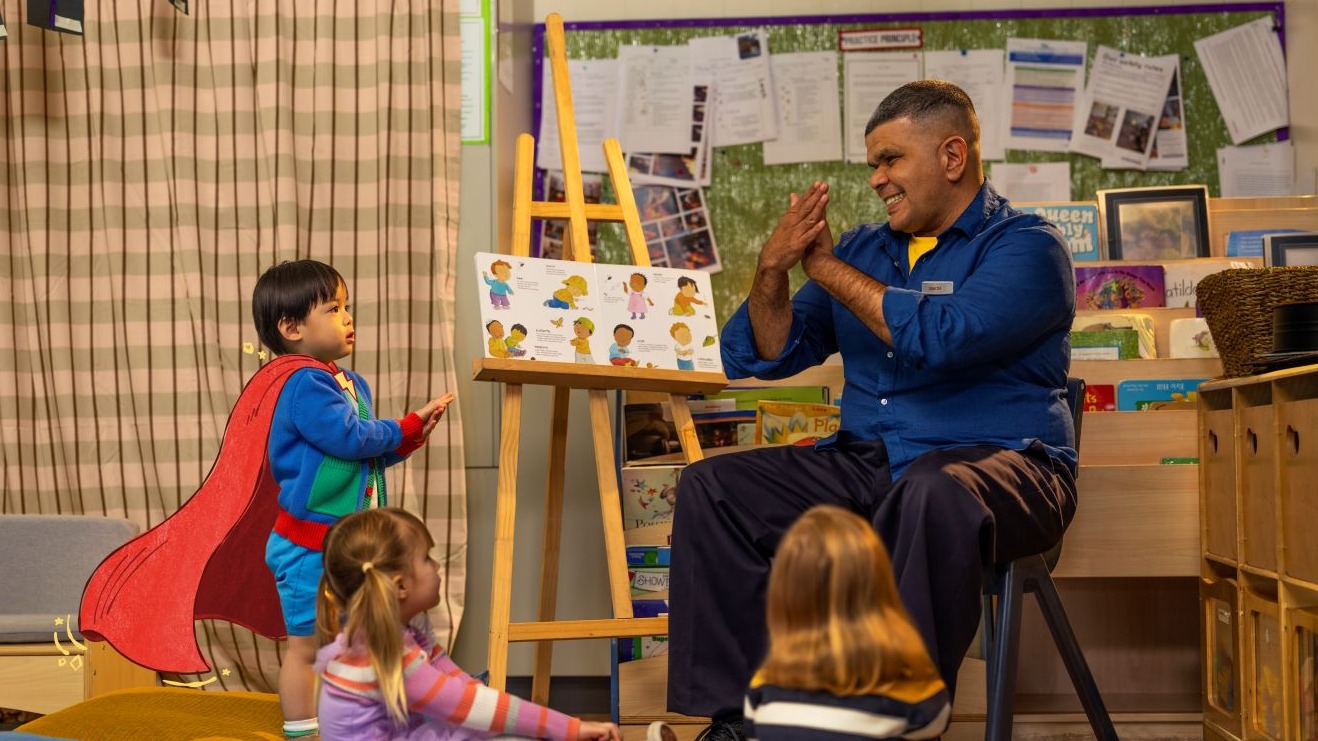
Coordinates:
[1273,568]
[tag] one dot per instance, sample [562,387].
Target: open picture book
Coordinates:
[577,312]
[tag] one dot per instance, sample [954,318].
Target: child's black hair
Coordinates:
[684,281]
[516,328]
[289,290]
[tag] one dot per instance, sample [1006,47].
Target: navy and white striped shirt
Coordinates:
[779,714]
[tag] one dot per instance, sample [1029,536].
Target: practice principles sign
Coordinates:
[877,39]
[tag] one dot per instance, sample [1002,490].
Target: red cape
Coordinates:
[207,560]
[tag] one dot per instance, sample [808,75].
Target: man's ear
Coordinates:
[290,329]
[954,153]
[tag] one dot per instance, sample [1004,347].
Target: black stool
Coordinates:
[1006,585]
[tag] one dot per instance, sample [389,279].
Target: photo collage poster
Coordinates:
[676,225]
[576,312]
[553,232]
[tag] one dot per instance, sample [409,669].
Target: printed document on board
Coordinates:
[654,101]
[980,73]
[1247,74]
[809,111]
[868,78]
[595,109]
[1045,79]
[1118,116]
[737,68]
[1261,170]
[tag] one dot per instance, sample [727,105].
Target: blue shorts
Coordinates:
[297,573]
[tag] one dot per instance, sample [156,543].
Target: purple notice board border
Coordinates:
[1276,7]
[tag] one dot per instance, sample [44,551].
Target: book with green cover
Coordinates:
[1105,344]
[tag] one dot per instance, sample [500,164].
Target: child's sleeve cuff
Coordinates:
[411,427]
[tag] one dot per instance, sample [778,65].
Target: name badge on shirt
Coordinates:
[936,288]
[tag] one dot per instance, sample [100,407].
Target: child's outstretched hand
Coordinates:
[432,411]
[592,731]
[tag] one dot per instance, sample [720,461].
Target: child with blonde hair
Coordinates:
[841,641]
[383,676]
[845,661]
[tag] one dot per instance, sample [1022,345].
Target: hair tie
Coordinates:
[367,567]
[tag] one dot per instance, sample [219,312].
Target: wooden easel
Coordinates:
[563,377]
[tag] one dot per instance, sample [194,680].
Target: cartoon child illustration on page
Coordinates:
[499,288]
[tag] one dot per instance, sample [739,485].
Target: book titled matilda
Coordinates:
[578,312]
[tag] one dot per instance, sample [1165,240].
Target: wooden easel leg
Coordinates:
[615,548]
[505,520]
[686,428]
[544,650]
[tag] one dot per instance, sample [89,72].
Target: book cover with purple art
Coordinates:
[1119,287]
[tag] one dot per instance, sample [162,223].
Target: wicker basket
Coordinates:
[1238,305]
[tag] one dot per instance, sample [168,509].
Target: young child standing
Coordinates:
[383,677]
[844,662]
[326,450]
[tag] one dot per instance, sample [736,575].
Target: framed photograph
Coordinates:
[1290,249]
[1155,223]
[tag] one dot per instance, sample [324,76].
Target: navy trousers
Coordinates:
[950,514]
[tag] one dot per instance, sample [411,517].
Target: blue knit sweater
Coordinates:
[323,444]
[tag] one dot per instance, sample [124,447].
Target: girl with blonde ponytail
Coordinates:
[382,675]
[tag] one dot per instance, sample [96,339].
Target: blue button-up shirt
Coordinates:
[981,337]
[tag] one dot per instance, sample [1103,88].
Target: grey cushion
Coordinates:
[38,627]
[48,560]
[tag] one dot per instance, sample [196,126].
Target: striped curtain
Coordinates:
[149,172]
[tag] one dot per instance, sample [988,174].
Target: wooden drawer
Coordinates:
[1217,458]
[1258,488]
[1298,425]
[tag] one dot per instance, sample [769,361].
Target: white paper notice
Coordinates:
[593,102]
[654,101]
[1038,182]
[868,78]
[1045,79]
[1119,114]
[1247,74]
[980,73]
[809,109]
[1171,150]
[742,84]
[1263,170]
[475,79]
